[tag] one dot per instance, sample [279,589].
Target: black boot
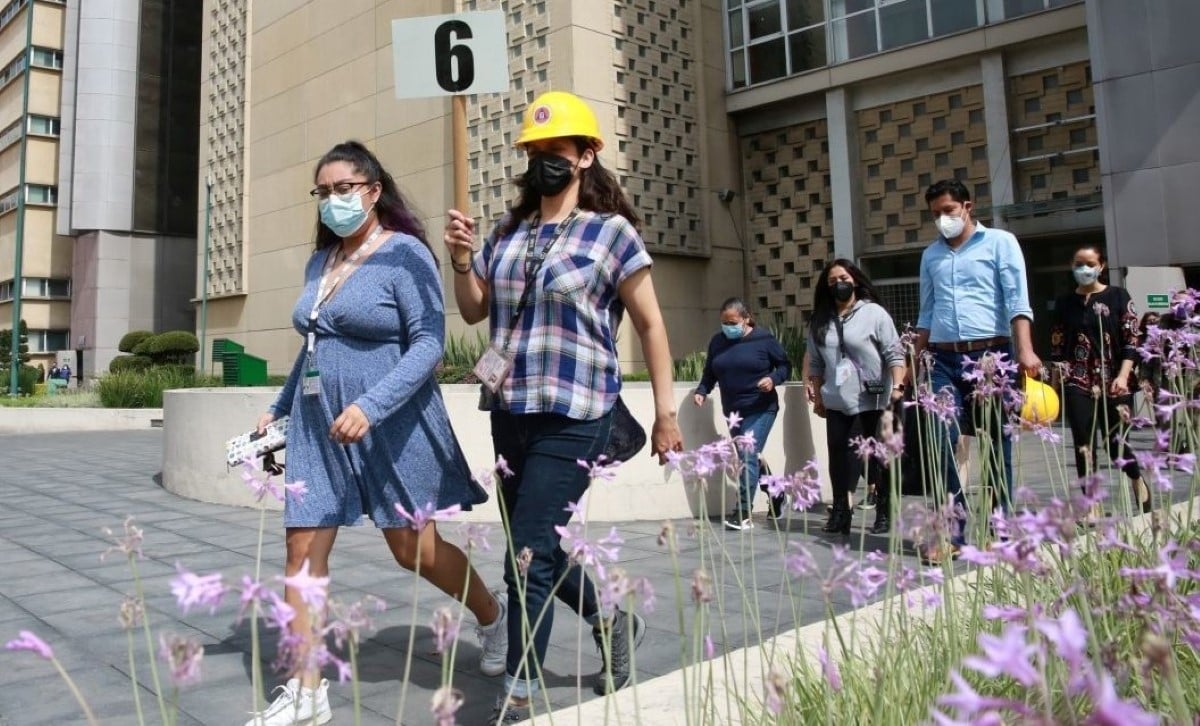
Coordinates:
[883,510]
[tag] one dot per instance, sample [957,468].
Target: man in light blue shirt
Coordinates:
[974,300]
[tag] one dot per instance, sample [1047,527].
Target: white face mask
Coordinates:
[1085,275]
[950,227]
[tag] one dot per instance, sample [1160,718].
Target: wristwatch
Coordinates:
[899,387]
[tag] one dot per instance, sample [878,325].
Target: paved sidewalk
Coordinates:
[57,492]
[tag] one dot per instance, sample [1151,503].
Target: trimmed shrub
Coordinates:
[27,380]
[173,346]
[129,363]
[143,346]
[130,340]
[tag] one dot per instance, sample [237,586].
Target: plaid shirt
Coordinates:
[563,350]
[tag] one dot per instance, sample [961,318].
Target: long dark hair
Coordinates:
[392,209]
[825,307]
[599,191]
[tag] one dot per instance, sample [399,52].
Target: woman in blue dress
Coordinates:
[369,432]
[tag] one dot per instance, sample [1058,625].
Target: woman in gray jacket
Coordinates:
[856,369]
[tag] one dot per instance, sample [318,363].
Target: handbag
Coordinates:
[626,437]
[253,445]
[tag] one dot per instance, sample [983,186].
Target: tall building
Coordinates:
[759,138]
[31,51]
[128,168]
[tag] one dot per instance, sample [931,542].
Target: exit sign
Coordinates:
[1158,301]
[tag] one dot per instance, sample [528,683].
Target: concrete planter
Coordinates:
[60,420]
[198,422]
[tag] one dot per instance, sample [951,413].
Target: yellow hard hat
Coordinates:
[557,114]
[1041,403]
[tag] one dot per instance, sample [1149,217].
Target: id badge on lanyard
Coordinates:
[311,383]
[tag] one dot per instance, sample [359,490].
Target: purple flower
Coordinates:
[1008,654]
[799,561]
[601,469]
[422,516]
[830,669]
[30,642]
[1111,710]
[733,420]
[702,585]
[279,614]
[802,488]
[446,702]
[312,590]
[476,536]
[191,589]
[502,467]
[940,405]
[445,629]
[262,482]
[617,586]
[350,621]
[1172,567]
[710,649]
[130,545]
[182,656]
[1069,638]
[131,612]
[1005,613]
[588,554]
[775,686]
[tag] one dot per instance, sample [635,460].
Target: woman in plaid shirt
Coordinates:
[553,280]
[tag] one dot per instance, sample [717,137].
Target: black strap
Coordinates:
[533,265]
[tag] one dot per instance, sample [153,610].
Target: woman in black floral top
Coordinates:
[1095,336]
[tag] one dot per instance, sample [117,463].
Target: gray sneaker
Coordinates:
[615,674]
[493,640]
[503,712]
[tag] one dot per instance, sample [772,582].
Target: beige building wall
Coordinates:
[651,70]
[46,255]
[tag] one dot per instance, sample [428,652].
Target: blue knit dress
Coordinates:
[378,341]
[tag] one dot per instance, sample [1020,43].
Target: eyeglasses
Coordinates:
[341,189]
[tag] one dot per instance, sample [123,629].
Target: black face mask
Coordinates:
[548,174]
[842,290]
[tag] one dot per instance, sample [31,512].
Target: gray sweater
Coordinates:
[874,349]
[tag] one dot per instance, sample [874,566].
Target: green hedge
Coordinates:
[144,389]
[130,340]
[27,380]
[129,363]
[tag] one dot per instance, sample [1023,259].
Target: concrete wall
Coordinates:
[198,422]
[1146,70]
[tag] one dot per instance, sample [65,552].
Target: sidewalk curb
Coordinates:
[63,420]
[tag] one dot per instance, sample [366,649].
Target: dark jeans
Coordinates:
[845,466]
[543,452]
[1089,416]
[948,373]
[759,422]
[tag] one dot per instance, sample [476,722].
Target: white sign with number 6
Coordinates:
[445,55]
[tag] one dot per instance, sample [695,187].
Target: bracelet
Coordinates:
[464,269]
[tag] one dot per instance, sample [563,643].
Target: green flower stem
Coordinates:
[141,596]
[87,710]
[137,696]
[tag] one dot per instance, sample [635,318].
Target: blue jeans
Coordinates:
[948,373]
[542,450]
[760,423]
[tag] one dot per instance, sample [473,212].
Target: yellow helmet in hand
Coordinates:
[557,114]
[1041,403]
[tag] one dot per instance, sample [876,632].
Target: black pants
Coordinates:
[845,466]
[1089,416]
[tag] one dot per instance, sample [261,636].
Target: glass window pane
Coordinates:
[1013,8]
[764,20]
[733,3]
[737,38]
[767,61]
[951,16]
[854,37]
[903,23]
[845,7]
[808,49]
[803,13]
[737,62]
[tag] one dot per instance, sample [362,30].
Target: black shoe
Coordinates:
[882,522]
[616,663]
[831,524]
[502,714]
[869,502]
[839,522]
[777,506]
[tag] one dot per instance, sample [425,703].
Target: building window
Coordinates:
[48,341]
[41,194]
[770,39]
[10,135]
[863,27]
[12,70]
[46,58]
[44,125]
[45,287]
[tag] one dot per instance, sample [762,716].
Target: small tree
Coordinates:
[22,345]
[130,340]
[173,346]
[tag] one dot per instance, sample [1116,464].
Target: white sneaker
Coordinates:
[493,641]
[296,706]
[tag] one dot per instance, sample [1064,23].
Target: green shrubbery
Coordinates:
[124,363]
[143,388]
[130,340]
[27,378]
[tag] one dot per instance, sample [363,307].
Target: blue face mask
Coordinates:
[344,215]
[733,332]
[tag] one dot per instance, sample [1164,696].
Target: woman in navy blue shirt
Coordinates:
[747,363]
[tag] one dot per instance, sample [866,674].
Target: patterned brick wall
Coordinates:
[494,119]
[223,108]
[1050,97]
[907,145]
[789,216]
[657,114]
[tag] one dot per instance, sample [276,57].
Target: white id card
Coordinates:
[843,371]
[493,367]
[312,383]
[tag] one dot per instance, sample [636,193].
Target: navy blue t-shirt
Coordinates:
[738,365]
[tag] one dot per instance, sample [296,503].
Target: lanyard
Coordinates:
[533,265]
[326,287]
